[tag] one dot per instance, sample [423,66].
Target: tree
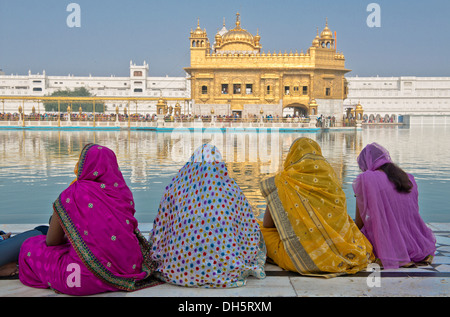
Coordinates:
[52,106]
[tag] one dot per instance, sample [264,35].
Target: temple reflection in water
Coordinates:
[42,162]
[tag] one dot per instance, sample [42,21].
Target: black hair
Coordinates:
[398,177]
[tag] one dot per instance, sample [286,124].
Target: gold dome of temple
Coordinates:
[161,101]
[198,31]
[237,34]
[257,37]
[237,40]
[313,102]
[316,41]
[218,39]
[326,33]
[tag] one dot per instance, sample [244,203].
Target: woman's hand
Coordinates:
[267,220]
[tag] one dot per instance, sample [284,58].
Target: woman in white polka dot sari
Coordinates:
[205,233]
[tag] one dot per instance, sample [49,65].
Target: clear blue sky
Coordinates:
[414,37]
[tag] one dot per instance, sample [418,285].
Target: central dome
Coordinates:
[237,40]
[237,35]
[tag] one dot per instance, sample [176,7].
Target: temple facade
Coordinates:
[234,76]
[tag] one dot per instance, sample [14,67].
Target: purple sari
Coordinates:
[392,222]
[105,250]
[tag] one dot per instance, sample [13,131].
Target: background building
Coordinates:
[234,76]
[387,99]
[138,84]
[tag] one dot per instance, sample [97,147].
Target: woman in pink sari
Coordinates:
[387,211]
[93,244]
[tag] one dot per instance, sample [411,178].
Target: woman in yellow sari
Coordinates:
[306,226]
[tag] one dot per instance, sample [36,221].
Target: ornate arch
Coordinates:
[298,109]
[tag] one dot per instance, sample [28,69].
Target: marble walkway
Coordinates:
[425,281]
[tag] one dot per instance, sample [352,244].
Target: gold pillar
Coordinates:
[129,117]
[359,115]
[23,113]
[359,112]
[20,113]
[93,111]
[69,111]
[313,107]
[137,116]
[59,114]
[161,107]
[177,109]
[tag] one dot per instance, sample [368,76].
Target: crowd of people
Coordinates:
[53,116]
[50,116]
[205,233]
[322,121]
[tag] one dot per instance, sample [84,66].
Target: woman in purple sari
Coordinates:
[387,211]
[93,244]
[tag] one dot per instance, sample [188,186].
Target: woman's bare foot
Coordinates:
[10,269]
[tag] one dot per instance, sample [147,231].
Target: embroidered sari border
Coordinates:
[82,158]
[293,246]
[91,261]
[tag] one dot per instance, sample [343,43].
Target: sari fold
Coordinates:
[96,213]
[308,207]
[205,233]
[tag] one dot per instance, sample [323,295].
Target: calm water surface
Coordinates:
[35,166]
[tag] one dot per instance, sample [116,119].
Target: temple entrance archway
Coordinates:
[296,110]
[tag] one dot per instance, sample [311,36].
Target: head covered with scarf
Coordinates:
[97,214]
[205,233]
[372,157]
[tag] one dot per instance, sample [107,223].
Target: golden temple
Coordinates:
[235,77]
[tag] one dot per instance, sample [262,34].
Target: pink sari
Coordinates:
[392,222]
[105,251]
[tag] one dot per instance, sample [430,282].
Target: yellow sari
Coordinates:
[314,235]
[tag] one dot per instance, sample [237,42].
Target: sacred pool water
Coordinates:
[36,165]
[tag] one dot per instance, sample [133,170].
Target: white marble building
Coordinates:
[138,84]
[382,98]
[393,97]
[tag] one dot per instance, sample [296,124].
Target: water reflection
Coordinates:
[35,166]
